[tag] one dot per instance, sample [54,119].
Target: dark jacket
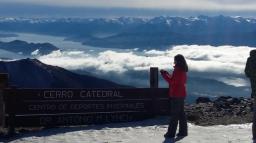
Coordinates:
[250,71]
[250,68]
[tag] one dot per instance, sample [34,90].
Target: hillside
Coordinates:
[31,73]
[24,48]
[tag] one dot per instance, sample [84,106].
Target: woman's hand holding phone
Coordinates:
[163,71]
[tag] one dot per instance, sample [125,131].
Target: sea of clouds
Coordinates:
[224,63]
[213,71]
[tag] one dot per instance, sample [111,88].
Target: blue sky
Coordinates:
[112,8]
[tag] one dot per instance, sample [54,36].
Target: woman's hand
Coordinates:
[163,71]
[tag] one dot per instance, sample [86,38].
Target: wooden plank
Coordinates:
[85,94]
[27,101]
[78,119]
[79,94]
[79,106]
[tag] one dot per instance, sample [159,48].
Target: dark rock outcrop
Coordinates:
[203,100]
[222,111]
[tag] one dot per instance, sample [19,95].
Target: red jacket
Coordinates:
[177,82]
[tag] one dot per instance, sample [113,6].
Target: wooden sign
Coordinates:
[52,107]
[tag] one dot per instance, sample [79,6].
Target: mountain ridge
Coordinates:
[31,73]
[25,48]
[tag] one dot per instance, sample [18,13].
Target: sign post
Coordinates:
[153,77]
[154,85]
[3,84]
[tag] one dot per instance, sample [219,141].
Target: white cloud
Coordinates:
[220,61]
[153,4]
[200,58]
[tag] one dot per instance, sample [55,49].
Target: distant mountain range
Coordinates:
[24,48]
[31,73]
[127,32]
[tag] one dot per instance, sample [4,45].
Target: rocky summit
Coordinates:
[222,111]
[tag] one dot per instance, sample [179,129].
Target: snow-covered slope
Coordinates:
[149,131]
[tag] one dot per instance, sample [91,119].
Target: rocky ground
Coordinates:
[222,111]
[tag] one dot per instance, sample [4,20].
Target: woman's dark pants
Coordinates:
[177,116]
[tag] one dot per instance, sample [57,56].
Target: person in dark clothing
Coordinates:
[250,72]
[177,93]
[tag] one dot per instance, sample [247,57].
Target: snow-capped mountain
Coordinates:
[128,32]
[131,20]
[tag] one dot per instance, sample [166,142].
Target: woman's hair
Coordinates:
[181,62]
[253,53]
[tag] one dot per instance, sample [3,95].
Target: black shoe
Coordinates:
[178,138]
[181,135]
[167,135]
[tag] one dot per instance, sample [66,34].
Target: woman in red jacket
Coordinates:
[177,93]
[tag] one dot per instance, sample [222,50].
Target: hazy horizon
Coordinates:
[77,8]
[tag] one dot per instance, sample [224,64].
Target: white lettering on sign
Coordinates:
[118,118]
[127,106]
[87,119]
[69,94]
[99,94]
[58,94]
[100,118]
[44,107]
[87,106]
[77,119]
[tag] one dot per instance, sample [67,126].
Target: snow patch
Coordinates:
[149,131]
[35,53]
